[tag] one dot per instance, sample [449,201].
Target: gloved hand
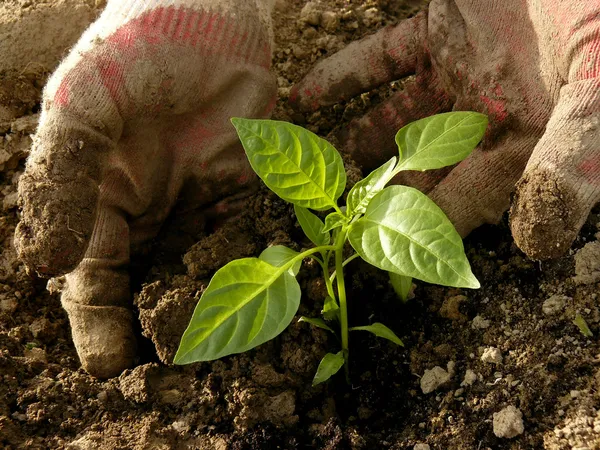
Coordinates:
[135,119]
[532,65]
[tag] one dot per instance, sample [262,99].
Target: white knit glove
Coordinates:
[135,119]
[533,66]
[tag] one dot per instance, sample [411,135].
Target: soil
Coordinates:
[472,359]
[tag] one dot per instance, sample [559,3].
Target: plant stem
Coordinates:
[347,261]
[341,287]
[305,254]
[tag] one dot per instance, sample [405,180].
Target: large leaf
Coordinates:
[294,163]
[247,303]
[362,192]
[440,140]
[401,285]
[404,232]
[329,366]
[278,255]
[380,330]
[312,226]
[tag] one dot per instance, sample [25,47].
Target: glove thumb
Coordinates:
[561,182]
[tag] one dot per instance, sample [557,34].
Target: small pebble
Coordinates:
[574,394]
[299,52]
[433,379]
[479,323]
[8,305]
[102,396]
[587,263]
[508,423]
[36,354]
[310,14]
[330,20]
[470,378]
[421,447]
[554,305]
[492,355]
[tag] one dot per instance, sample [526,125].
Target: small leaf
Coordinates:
[331,310]
[320,323]
[404,232]
[296,164]
[583,326]
[312,226]
[362,192]
[329,366]
[334,220]
[440,140]
[247,303]
[380,330]
[278,255]
[401,285]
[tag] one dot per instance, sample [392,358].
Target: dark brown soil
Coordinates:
[511,343]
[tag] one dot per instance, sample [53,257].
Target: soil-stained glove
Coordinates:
[134,120]
[532,65]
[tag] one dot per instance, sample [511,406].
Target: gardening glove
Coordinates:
[135,119]
[533,66]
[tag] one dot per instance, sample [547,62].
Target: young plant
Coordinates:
[397,228]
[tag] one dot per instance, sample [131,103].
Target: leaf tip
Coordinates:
[473,282]
[179,359]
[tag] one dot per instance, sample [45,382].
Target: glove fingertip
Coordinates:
[545,216]
[56,224]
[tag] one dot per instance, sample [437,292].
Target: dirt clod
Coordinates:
[587,264]
[508,422]
[433,379]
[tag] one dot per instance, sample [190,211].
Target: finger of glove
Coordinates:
[58,193]
[388,55]
[370,139]
[98,300]
[561,183]
[477,190]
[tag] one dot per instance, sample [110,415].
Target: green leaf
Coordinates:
[329,366]
[278,255]
[404,232]
[296,164]
[312,226]
[401,285]
[247,303]
[440,140]
[331,310]
[380,330]
[583,326]
[320,323]
[362,192]
[334,220]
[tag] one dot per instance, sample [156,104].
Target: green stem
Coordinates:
[303,255]
[341,287]
[337,209]
[326,277]
[317,259]
[347,261]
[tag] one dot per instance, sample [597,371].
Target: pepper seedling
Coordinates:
[396,228]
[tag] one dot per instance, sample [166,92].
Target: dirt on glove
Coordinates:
[517,348]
